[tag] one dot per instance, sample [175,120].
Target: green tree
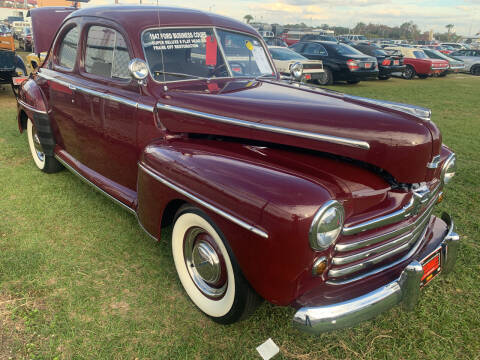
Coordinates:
[248,18]
[449,28]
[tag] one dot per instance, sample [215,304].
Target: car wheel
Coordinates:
[325,78]
[443,74]
[353,81]
[409,73]
[44,162]
[383,77]
[475,70]
[422,76]
[207,268]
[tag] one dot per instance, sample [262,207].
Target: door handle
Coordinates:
[72,87]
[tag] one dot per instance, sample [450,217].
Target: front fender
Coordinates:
[265,190]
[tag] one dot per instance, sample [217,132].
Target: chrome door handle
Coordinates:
[72,87]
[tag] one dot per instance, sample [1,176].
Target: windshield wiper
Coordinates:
[265,76]
[158,73]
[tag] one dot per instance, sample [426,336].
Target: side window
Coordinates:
[315,49]
[106,53]
[297,47]
[67,52]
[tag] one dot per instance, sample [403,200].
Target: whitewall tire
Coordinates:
[207,269]
[43,161]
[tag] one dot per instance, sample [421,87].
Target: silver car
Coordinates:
[471,58]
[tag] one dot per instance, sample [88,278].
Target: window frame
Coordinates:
[83,52]
[58,42]
[316,44]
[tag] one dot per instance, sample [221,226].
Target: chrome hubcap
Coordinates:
[205,263]
[37,145]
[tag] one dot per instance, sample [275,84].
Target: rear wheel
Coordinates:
[409,73]
[207,268]
[475,70]
[44,162]
[325,78]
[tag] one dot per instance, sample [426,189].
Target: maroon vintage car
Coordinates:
[274,190]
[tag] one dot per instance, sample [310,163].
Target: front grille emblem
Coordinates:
[421,197]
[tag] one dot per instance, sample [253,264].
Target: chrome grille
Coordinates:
[354,257]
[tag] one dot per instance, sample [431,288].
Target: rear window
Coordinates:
[67,52]
[285,54]
[343,49]
[420,54]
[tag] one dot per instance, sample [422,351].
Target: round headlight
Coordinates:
[296,70]
[327,225]
[449,168]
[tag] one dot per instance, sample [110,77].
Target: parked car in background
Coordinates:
[4,30]
[340,62]
[17,28]
[284,58]
[471,58]
[318,37]
[454,65]
[456,46]
[387,64]
[268,190]
[443,49]
[275,41]
[25,40]
[417,63]
[292,36]
[266,34]
[355,38]
[34,61]
[11,64]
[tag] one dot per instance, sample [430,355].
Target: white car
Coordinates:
[284,58]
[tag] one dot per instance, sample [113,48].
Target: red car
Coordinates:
[419,64]
[273,189]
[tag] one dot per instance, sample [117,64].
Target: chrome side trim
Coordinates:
[28,107]
[271,128]
[102,95]
[84,179]
[418,111]
[393,217]
[207,205]
[440,68]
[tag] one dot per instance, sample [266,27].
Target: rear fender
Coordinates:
[30,103]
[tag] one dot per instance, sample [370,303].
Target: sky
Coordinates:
[427,14]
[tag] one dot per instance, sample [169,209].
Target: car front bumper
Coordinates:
[406,289]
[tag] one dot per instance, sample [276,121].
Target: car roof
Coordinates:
[134,17]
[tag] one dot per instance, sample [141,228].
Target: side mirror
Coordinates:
[296,70]
[138,69]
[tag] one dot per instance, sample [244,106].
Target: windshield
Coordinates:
[346,50]
[189,53]
[285,54]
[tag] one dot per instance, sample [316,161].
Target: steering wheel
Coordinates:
[216,69]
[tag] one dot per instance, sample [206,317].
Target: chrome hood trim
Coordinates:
[418,111]
[276,129]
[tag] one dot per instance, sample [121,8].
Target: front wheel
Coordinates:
[44,162]
[207,269]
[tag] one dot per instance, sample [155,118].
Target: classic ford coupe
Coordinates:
[274,190]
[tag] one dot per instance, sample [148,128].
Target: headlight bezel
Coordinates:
[450,164]
[316,222]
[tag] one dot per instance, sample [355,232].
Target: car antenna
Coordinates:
[165,87]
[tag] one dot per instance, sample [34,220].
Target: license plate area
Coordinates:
[368,65]
[431,267]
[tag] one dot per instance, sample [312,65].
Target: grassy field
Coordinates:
[80,280]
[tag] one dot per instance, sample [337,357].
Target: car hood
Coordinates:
[304,117]
[45,23]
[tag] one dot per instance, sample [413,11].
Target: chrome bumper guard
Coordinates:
[406,289]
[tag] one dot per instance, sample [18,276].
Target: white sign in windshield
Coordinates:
[177,40]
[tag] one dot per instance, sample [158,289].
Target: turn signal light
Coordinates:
[386,62]
[319,266]
[440,198]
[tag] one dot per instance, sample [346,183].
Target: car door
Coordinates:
[315,51]
[110,104]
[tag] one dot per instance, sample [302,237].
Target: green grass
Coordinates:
[79,279]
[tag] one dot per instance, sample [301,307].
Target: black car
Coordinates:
[387,64]
[340,62]
[25,41]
